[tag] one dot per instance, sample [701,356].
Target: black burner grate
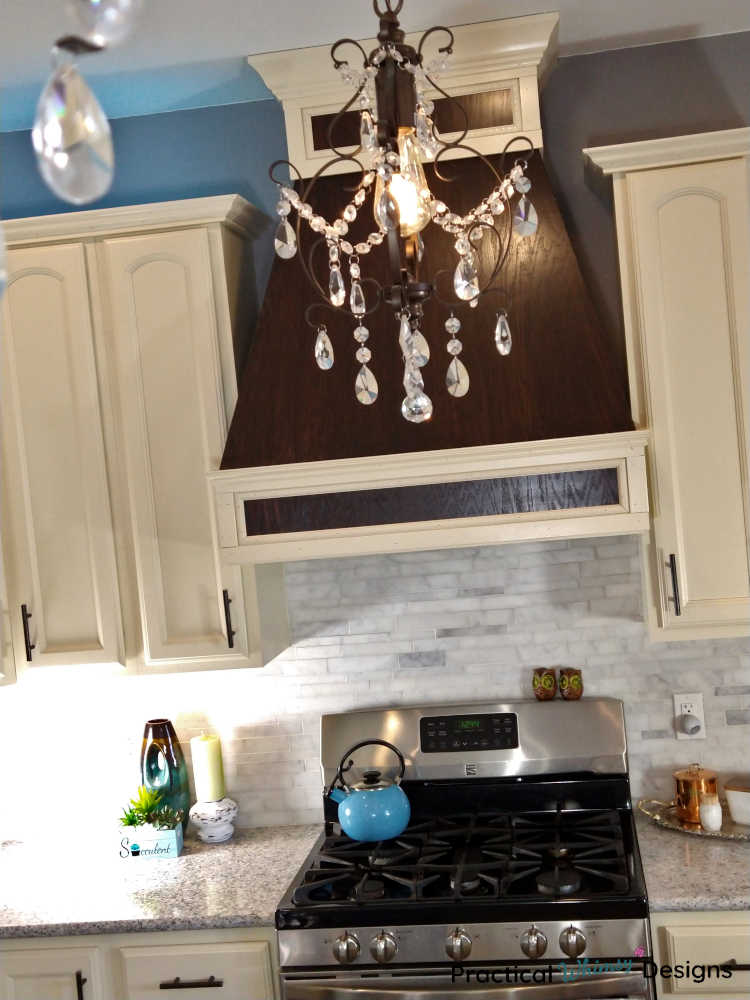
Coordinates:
[561,853]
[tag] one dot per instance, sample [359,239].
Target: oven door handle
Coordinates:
[617,987]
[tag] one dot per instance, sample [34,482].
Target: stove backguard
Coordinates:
[524,738]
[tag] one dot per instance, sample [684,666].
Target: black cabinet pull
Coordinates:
[191,984]
[25,615]
[228,619]
[734,966]
[675,584]
[80,980]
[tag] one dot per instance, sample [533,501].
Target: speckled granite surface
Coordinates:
[44,893]
[693,873]
[47,892]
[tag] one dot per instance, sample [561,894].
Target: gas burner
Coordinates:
[466,884]
[562,880]
[389,854]
[370,888]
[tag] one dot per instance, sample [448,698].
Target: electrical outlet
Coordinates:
[689,705]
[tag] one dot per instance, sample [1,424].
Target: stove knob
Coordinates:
[346,948]
[533,942]
[573,942]
[458,944]
[383,947]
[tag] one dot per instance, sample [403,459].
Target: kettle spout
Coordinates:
[337,794]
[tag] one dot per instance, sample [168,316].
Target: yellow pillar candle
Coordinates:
[208,769]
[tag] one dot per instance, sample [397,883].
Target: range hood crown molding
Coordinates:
[514,54]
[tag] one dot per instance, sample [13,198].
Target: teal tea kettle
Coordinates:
[374,808]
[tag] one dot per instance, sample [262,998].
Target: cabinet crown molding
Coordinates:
[230,210]
[671,152]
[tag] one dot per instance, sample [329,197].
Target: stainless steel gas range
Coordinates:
[517,876]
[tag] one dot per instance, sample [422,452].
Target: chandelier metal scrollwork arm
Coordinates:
[389,7]
[393,95]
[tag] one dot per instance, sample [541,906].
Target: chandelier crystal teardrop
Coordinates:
[393,94]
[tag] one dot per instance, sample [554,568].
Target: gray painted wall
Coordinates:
[649,92]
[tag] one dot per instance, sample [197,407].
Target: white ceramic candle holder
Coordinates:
[214,820]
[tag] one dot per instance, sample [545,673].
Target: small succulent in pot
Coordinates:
[146,810]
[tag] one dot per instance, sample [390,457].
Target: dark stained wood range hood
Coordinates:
[562,378]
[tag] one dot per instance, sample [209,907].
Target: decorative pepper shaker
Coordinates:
[544,683]
[710,811]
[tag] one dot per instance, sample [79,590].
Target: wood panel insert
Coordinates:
[572,490]
[490,109]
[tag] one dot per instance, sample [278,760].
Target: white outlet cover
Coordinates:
[690,703]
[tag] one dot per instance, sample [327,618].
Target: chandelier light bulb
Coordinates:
[409,186]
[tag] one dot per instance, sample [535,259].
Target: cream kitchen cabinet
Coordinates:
[683,225]
[123,328]
[42,973]
[234,964]
[57,524]
[688,939]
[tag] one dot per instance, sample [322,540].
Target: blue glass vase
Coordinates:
[163,766]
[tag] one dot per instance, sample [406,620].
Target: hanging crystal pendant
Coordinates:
[522,184]
[466,278]
[368,136]
[503,339]
[413,381]
[72,139]
[386,210]
[285,241]
[323,350]
[419,352]
[525,219]
[404,335]
[336,287]
[357,299]
[457,378]
[417,408]
[105,22]
[365,386]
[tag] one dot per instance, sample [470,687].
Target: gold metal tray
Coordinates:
[665,814]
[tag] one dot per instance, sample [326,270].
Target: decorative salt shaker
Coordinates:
[710,812]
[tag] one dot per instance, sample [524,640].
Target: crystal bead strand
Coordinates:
[417,405]
[457,376]
[365,384]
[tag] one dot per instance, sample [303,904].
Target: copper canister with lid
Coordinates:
[690,783]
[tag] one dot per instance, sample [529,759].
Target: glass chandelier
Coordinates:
[397,136]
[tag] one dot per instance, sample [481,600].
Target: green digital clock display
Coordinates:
[468,724]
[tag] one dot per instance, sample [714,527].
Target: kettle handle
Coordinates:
[357,746]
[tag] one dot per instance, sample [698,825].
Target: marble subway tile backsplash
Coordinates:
[466,624]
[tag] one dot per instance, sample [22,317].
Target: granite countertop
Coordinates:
[46,892]
[685,872]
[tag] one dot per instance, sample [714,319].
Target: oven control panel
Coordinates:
[454,733]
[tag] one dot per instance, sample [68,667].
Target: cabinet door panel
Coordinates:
[58,539]
[49,974]
[243,968]
[174,427]
[691,239]
[716,944]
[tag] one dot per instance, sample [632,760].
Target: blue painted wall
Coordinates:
[184,154]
